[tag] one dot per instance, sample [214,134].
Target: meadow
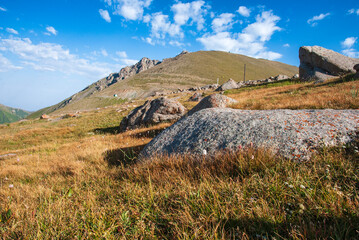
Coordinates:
[79,178]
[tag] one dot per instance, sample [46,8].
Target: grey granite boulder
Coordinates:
[356,68]
[319,64]
[230,84]
[152,112]
[294,134]
[213,101]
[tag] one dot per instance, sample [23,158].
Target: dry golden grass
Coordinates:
[78,178]
[334,94]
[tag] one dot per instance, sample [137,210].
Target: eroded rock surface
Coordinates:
[152,112]
[213,101]
[294,134]
[319,64]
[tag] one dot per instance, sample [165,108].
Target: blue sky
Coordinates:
[50,50]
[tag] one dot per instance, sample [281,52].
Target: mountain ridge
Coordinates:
[9,114]
[184,70]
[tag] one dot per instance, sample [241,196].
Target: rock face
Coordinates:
[320,64]
[212,101]
[196,97]
[293,134]
[44,116]
[152,112]
[230,84]
[142,65]
[356,67]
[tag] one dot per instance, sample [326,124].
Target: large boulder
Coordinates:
[213,101]
[152,112]
[356,68]
[230,84]
[319,64]
[294,134]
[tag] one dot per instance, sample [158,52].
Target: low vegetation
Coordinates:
[79,178]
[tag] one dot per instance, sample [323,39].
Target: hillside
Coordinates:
[183,71]
[78,178]
[8,114]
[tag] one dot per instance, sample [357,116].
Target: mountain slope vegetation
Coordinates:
[183,71]
[8,114]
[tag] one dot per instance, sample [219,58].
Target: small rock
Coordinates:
[230,84]
[213,101]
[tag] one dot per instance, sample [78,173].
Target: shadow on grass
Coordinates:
[310,227]
[122,156]
[108,130]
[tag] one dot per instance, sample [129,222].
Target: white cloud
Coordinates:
[349,42]
[223,23]
[148,40]
[11,30]
[104,53]
[6,65]
[160,26]
[286,45]
[53,57]
[244,11]
[353,11]
[129,9]
[313,20]
[176,43]
[194,11]
[351,52]
[3,9]
[122,54]
[51,30]
[250,41]
[129,61]
[105,15]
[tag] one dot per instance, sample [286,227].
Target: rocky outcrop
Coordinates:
[152,112]
[44,116]
[213,101]
[320,64]
[196,97]
[294,134]
[230,84]
[356,68]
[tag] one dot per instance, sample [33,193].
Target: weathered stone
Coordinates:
[212,101]
[320,64]
[152,112]
[295,76]
[44,116]
[294,134]
[230,84]
[196,97]
[281,77]
[356,67]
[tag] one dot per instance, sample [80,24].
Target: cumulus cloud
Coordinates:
[105,15]
[3,9]
[12,31]
[184,14]
[223,23]
[286,45]
[53,57]
[314,20]
[6,65]
[251,41]
[244,11]
[51,30]
[121,54]
[349,42]
[194,11]
[104,53]
[129,9]
[161,26]
[353,11]
[348,50]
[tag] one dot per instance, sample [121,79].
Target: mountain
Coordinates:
[8,114]
[183,71]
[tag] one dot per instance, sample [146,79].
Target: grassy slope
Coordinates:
[75,178]
[193,69]
[8,114]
